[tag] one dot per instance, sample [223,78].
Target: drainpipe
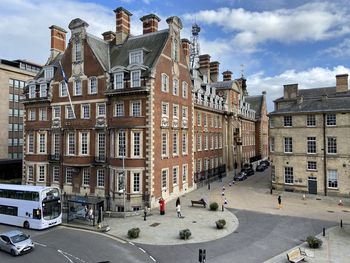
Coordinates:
[324,155]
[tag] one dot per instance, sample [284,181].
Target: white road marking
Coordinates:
[153,258]
[142,250]
[61,252]
[131,243]
[43,245]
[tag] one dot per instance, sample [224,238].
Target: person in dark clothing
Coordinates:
[279,202]
[177,202]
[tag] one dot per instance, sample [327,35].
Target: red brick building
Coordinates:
[132,120]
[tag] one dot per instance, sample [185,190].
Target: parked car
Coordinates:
[261,167]
[241,176]
[15,242]
[265,162]
[249,171]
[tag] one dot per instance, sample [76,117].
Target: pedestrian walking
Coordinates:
[279,202]
[178,211]
[177,201]
[145,210]
[223,193]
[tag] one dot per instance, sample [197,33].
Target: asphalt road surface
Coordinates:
[60,245]
[259,237]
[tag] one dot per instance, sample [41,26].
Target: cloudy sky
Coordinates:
[277,41]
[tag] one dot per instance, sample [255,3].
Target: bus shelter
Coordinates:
[85,210]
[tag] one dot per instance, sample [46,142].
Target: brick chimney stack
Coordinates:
[204,66]
[214,71]
[150,23]
[58,40]
[122,24]
[108,36]
[186,46]
[342,83]
[227,75]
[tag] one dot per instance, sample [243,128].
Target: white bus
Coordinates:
[36,207]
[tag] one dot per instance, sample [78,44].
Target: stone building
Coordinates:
[309,135]
[13,76]
[131,122]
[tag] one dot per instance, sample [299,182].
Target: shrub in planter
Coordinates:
[220,223]
[134,232]
[185,234]
[214,206]
[314,242]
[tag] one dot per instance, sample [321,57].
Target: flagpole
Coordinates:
[66,82]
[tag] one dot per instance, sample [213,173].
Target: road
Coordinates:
[60,245]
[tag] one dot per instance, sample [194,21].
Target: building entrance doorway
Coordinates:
[312,185]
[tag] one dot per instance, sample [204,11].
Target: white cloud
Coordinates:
[316,77]
[339,51]
[309,22]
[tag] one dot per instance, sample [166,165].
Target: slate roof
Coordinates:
[255,104]
[317,100]
[100,49]
[228,84]
[153,44]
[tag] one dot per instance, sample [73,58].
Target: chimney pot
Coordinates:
[150,23]
[227,75]
[122,24]
[214,71]
[58,40]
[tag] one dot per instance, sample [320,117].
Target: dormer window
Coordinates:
[119,80]
[135,78]
[48,73]
[77,50]
[32,91]
[135,57]
[43,92]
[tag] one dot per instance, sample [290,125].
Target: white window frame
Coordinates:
[184,139]
[288,144]
[69,112]
[184,89]
[330,184]
[48,73]
[132,105]
[32,91]
[43,90]
[100,178]
[136,57]
[165,144]
[56,112]
[119,109]
[332,144]
[165,109]
[56,174]
[84,143]
[118,80]
[135,82]
[69,175]
[63,86]
[311,147]
[164,175]
[30,173]
[311,120]
[121,139]
[175,87]
[288,172]
[184,173]
[288,121]
[311,165]
[331,119]
[140,146]
[175,175]
[86,177]
[78,50]
[134,175]
[165,82]
[31,115]
[71,144]
[78,89]
[175,143]
[42,142]
[176,110]
[41,172]
[30,143]
[100,106]
[42,114]
[85,111]
[93,89]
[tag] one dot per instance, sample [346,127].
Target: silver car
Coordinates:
[15,242]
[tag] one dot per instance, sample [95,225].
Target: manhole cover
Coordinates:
[346,211]
[155,224]
[330,211]
[194,222]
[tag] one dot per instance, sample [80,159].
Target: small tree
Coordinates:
[220,223]
[214,206]
[314,242]
[185,234]
[134,232]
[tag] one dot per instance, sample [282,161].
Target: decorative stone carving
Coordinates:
[175,123]
[184,123]
[100,122]
[165,122]
[56,123]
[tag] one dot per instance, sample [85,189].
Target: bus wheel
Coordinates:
[26,224]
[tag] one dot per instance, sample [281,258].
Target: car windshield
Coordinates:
[19,238]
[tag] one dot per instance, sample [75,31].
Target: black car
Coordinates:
[265,162]
[241,176]
[261,167]
[249,171]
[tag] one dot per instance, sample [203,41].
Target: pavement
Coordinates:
[253,195]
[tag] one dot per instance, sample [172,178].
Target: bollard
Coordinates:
[223,208]
[208,185]
[324,232]
[271,191]
[341,223]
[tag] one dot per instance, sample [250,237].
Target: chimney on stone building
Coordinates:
[290,91]
[214,71]
[122,25]
[108,36]
[150,23]
[186,46]
[58,40]
[341,83]
[204,66]
[227,75]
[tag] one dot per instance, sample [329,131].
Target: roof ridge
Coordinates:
[148,34]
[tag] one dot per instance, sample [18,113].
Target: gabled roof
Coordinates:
[152,43]
[255,104]
[100,49]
